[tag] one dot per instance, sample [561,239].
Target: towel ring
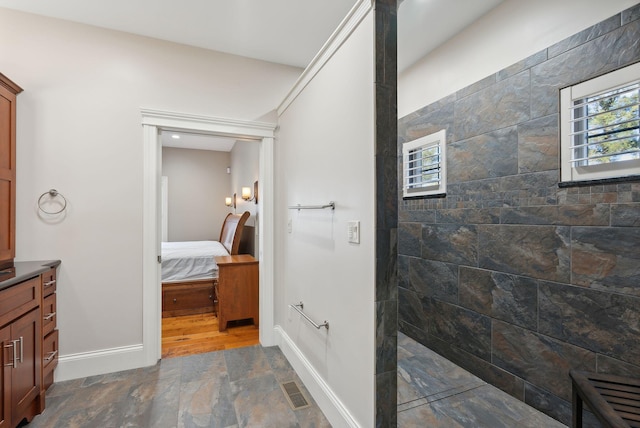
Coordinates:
[52,194]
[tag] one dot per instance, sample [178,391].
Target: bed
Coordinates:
[189,271]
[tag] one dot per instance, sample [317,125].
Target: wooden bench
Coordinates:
[614,400]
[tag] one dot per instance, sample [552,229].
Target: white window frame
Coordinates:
[412,188]
[569,171]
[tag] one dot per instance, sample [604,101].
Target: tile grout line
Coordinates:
[426,400]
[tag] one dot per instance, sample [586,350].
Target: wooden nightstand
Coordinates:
[237,289]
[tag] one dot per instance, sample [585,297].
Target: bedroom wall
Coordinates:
[324,152]
[510,276]
[198,184]
[245,168]
[79,131]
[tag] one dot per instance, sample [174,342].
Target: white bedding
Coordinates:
[190,260]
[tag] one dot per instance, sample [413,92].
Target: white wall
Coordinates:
[245,170]
[79,131]
[198,184]
[324,152]
[509,33]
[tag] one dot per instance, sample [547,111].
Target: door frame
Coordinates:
[154,121]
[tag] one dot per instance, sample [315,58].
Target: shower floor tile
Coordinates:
[433,392]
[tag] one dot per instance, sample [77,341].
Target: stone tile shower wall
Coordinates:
[509,275]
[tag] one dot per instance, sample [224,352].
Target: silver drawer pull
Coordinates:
[21,349]
[49,316]
[51,356]
[14,363]
[48,283]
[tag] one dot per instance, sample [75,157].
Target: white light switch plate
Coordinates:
[353,231]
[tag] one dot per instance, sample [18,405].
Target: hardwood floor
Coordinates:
[196,334]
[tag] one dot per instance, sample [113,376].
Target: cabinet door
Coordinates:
[25,377]
[7,174]
[5,376]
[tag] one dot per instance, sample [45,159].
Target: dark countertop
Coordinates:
[21,271]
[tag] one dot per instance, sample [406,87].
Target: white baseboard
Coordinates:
[93,363]
[335,411]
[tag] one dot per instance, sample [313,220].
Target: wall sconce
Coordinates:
[246,193]
[230,202]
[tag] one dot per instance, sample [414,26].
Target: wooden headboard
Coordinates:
[232,231]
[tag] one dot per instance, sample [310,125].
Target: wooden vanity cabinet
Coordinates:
[49,328]
[8,92]
[20,332]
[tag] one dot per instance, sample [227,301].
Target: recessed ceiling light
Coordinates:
[175,136]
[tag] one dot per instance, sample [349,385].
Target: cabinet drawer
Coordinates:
[48,282]
[187,300]
[50,352]
[49,316]
[19,299]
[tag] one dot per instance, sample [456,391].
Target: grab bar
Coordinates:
[331,205]
[299,306]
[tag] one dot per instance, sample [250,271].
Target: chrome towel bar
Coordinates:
[299,306]
[331,205]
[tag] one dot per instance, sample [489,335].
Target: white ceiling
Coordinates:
[288,32]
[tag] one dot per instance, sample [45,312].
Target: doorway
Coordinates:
[201,171]
[154,122]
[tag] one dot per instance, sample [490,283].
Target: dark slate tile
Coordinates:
[246,363]
[417,216]
[486,371]
[434,279]
[584,36]
[409,239]
[625,215]
[419,334]
[461,327]
[631,14]
[516,68]
[608,365]
[565,215]
[538,359]
[499,295]
[386,335]
[450,243]
[386,192]
[555,407]
[477,86]
[531,182]
[259,401]
[606,323]
[606,258]
[469,216]
[536,251]
[606,53]
[499,106]
[490,155]
[538,144]
[154,403]
[410,309]
[386,264]
[196,366]
[206,402]
[426,122]
[386,399]
[548,403]
[403,271]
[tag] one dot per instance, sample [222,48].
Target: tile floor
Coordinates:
[433,392]
[231,388]
[240,388]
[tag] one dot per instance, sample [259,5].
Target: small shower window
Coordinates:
[600,127]
[424,166]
